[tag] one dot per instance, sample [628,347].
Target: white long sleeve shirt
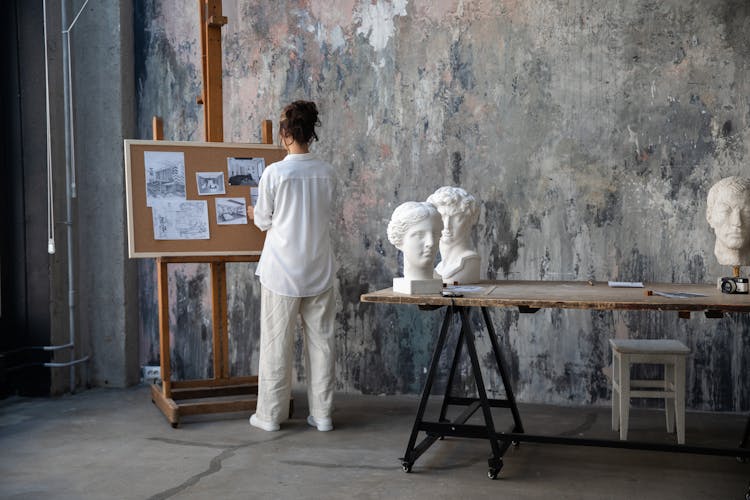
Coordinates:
[294,207]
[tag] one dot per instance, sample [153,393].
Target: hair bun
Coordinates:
[299,120]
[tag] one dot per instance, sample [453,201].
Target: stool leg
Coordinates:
[615,392]
[669,402]
[624,381]
[679,398]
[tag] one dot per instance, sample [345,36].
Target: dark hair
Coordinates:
[299,120]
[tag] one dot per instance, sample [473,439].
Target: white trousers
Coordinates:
[278,322]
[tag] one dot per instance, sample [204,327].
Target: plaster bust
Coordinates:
[459,210]
[728,214]
[414,229]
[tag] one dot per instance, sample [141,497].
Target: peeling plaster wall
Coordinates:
[590,130]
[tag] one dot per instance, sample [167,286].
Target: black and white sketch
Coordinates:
[165,176]
[245,171]
[180,220]
[253,196]
[231,211]
[210,183]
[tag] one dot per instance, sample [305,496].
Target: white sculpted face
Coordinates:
[728,213]
[730,221]
[420,245]
[415,229]
[456,226]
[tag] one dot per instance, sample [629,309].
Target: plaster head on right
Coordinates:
[728,214]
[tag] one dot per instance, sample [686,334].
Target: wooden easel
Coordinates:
[195,396]
[237,392]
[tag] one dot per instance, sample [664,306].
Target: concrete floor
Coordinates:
[107,443]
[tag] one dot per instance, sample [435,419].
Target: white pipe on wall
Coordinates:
[70,186]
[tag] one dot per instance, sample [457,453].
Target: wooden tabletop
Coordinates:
[577,295]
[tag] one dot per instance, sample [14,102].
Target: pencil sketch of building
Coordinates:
[165,176]
[231,211]
[183,220]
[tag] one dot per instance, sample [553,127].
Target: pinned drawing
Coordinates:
[245,171]
[180,220]
[210,183]
[231,211]
[165,176]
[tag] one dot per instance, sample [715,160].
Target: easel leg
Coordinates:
[164,400]
[496,461]
[219,320]
[518,425]
[411,455]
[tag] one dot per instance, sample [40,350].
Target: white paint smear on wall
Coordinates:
[376,21]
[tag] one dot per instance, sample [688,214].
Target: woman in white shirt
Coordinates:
[296,273]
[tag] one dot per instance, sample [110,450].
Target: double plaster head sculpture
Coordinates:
[459,210]
[728,214]
[415,229]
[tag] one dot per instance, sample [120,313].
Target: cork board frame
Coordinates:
[224,240]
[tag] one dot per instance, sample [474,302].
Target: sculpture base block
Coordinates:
[417,287]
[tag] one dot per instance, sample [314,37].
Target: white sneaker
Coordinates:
[322,424]
[260,424]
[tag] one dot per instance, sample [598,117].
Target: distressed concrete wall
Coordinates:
[98,295]
[105,114]
[590,130]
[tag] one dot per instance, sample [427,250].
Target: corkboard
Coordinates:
[239,239]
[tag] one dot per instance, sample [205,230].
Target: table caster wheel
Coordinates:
[406,467]
[494,470]
[515,444]
[741,460]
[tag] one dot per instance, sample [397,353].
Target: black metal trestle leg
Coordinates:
[458,426]
[412,453]
[496,461]
[518,425]
[451,376]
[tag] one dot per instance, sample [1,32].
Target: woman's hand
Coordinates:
[250,212]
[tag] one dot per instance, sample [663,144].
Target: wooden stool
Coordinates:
[667,352]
